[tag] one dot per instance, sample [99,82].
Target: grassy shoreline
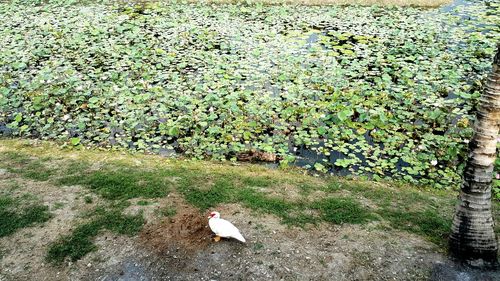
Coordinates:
[363,90]
[120,179]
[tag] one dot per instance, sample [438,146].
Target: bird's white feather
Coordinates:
[223,228]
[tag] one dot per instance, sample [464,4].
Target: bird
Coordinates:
[223,228]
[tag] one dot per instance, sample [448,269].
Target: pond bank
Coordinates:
[390,94]
[350,229]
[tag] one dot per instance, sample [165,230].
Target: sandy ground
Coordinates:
[181,247]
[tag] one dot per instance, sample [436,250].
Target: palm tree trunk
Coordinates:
[473,238]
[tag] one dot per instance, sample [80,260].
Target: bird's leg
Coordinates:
[217,238]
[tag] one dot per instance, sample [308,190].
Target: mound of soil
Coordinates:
[187,231]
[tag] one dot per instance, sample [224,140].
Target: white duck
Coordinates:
[223,228]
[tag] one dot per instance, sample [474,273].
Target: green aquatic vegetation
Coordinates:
[385,92]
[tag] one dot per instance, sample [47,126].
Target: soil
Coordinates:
[187,231]
[181,247]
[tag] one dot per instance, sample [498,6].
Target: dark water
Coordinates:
[4,130]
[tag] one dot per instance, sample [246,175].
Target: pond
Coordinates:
[382,92]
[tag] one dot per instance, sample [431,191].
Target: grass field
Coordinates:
[296,198]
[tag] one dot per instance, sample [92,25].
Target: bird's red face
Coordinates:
[214,215]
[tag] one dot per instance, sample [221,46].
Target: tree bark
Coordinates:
[473,237]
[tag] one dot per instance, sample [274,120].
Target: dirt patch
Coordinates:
[114,256]
[187,231]
[274,252]
[24,251]
[284,190]
[180,247]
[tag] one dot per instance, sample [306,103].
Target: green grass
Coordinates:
[143,203]
[167,211]
[342,210]
[257,181]
[58,205]
[16,213]
[11,185]
[124,183]
[88,199]
[35,169]
[76,245]
[225,190]
[80,242]
[114,182]
[229,190]
[208,197]
[258,201]
[258,246]
[428,223]
[206,185]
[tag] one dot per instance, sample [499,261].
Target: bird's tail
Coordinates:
[240,237]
